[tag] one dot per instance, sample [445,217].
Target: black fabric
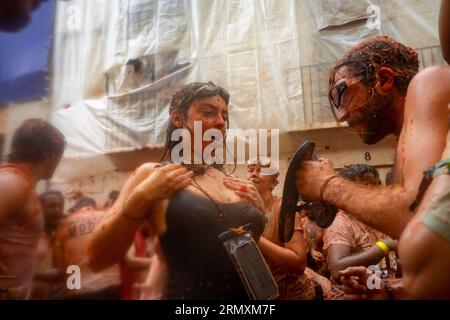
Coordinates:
[199,265]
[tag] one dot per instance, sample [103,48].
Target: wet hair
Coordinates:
[355,172]
[367,57]
[389,180]
[83,202]
[113,195]
[43,196]
[35,140]
[181,101]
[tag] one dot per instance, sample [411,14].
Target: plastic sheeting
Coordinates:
[329,13]
[273,56]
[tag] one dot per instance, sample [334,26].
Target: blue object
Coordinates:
[24,57]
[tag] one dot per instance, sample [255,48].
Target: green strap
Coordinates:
[442,167]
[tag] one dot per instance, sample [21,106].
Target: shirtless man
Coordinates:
[425,243]
[47,277]
[375,89]
[70,249]
[37,147]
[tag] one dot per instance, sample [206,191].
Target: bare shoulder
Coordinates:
[17,188]
[433,80]
[14,184]
[435,73]
[139,175]
[428,93]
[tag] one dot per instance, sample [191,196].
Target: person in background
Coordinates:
[37,148]
[71,240]
[47,277]
[112,197]
[313,235]
[136,264]
[349,242]
[287,261]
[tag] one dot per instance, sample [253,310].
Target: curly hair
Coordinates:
[367,57]
[355,172]
[35,140]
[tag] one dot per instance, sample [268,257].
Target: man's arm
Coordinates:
[339,258]
[383,208]
[14,191]
[424,253]
[420,145]
[131,261]
[444,29]
[425,263]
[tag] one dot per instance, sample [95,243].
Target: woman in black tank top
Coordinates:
[187,205]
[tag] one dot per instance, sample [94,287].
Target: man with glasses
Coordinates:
[375,87]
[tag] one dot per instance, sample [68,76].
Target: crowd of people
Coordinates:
[158,237]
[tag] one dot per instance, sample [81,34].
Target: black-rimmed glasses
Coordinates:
[337,91]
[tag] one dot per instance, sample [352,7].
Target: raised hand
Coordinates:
[157,185]
[246,190]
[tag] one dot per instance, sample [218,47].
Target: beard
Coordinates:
[374,122]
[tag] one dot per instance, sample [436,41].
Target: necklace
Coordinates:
[195,184]
[200,169]
[217,179]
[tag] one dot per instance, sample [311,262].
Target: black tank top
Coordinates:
[199,265]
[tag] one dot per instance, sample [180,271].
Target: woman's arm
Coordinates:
[340,257]
[131,261]
[143,195]
[292,256]
[155,284]
[51,275]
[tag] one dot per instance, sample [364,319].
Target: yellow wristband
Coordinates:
[383,247]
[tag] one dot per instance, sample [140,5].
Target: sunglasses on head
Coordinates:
[263,162]
[207,90]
